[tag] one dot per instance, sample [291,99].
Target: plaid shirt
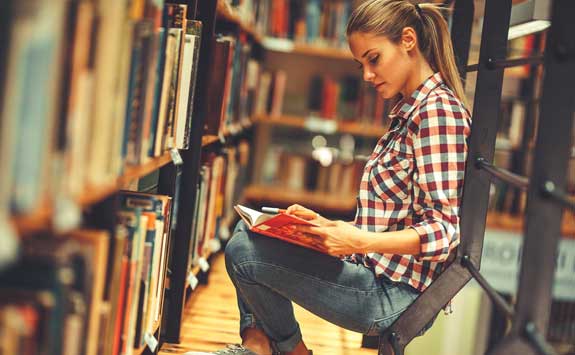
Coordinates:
[414,179]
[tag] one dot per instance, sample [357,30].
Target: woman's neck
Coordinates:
[421,72]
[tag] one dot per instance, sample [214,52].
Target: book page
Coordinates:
[254,217]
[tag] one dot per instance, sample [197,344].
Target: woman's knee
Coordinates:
[240,227]
[237,248]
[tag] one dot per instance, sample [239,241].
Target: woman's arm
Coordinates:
[341,238]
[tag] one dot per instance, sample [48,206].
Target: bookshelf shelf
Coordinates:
[354,128]
[511,223]
[140,350]
[226,13]
[288,46]
[136,172]
[207,140]
[283,197]
[41,219]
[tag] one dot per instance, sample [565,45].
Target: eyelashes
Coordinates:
[372,61]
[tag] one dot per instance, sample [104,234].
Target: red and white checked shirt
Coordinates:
[414,179]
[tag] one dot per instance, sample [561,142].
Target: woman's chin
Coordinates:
[386,94]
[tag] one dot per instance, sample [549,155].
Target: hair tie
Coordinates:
[419,11]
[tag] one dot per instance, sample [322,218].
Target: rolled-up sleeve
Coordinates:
[440,152]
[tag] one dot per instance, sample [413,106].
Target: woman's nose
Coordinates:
[368,75]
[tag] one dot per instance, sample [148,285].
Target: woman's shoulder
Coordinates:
[441,101]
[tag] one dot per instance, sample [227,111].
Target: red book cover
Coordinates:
[279,226]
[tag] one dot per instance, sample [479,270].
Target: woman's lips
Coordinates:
[378,85]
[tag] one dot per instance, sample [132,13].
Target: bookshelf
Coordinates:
[40,220]
[142,128]
[330,203]
[226,13]
[288,46]
[321,125]
[513,223]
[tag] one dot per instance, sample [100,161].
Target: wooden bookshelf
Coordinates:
[225,12]
[195,270]
[282,197]
[140,350]
[284,45]
[353,128]
[42,218]
[511,223]
[207,140]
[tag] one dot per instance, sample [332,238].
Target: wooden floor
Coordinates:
[211,321]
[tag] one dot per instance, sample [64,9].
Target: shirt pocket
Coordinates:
[390,176]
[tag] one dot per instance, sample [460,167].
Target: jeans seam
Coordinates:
[236,266]
[380,320]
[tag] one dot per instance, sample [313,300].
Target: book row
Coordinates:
[90,291]
[95,291]
[316,22]
[299,172]
[91,87]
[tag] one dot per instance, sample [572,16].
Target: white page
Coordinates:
[255,217]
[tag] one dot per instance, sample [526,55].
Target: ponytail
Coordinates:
[389,17]
[435,45]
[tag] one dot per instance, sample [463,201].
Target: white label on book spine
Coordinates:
[67,215]
[204,265]
[176,157]
[215,245]
[10,243]
[151,341]
[193,281]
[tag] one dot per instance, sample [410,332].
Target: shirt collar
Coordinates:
[405,106]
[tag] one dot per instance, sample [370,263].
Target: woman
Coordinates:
[407,219]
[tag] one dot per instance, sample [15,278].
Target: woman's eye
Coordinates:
[374,59]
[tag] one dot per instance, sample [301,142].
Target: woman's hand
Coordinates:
[338,237]
[307,214]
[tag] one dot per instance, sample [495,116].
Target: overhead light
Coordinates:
[530,16]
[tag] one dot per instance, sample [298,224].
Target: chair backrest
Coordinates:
[545,187]
[474,201]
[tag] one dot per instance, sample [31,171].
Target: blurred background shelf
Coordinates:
[323,125]
[514,223]
[288,46]
[282,197]
[227,14]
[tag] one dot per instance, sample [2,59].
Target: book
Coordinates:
[279,226]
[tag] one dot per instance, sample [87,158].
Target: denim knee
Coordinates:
[237,250]
[240,226]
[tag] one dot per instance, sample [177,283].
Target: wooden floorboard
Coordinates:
[211,321]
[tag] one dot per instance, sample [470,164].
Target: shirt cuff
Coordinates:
[433,241]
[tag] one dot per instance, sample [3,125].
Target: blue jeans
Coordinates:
[269,274]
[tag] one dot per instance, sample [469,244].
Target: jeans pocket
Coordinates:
[380,325]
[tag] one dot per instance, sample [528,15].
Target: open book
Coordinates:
[278,226]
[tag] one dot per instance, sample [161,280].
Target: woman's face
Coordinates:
[386,65]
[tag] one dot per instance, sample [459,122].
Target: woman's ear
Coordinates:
[409,39]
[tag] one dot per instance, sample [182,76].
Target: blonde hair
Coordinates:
[389,17]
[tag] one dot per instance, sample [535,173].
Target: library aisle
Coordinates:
[211,321]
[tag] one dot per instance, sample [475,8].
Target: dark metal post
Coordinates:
[476,189]
[543,219]
[461,26]
[484,128]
